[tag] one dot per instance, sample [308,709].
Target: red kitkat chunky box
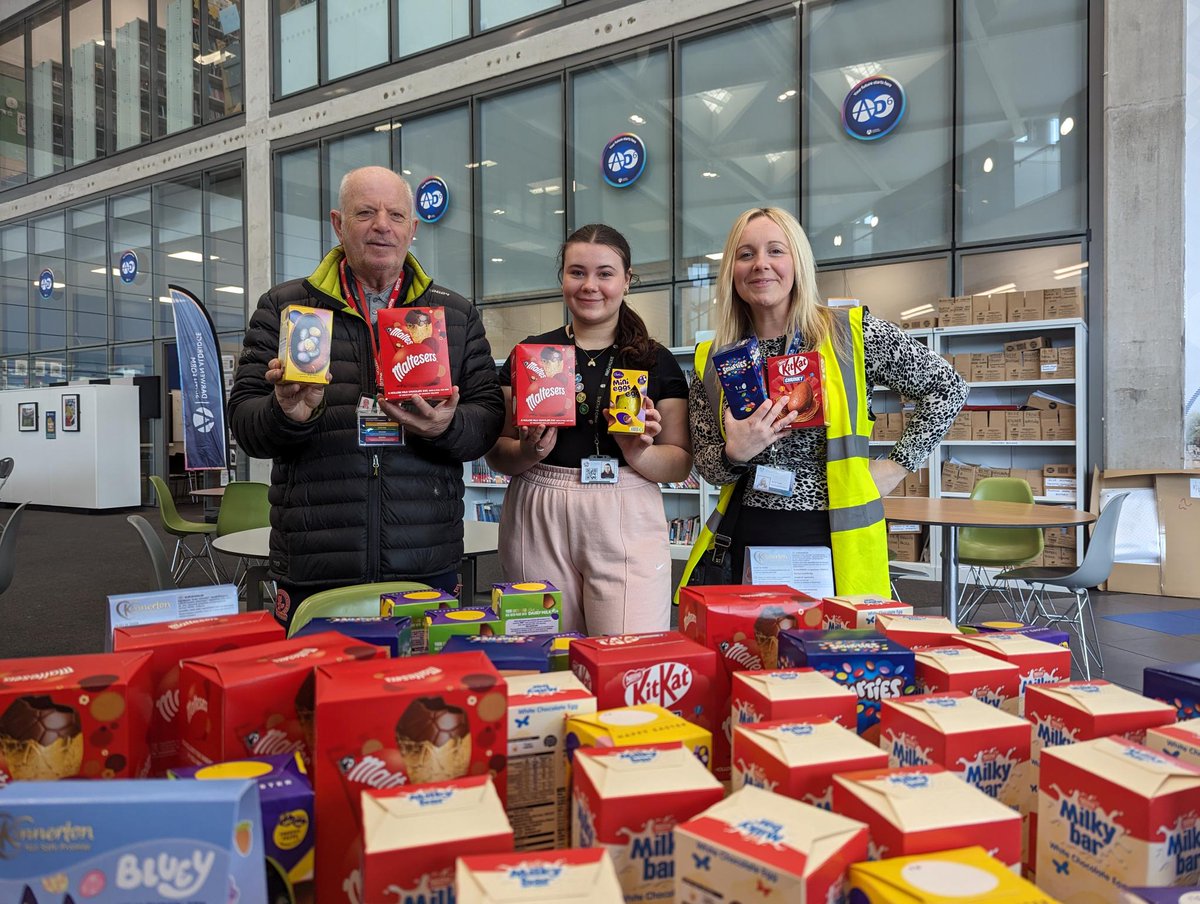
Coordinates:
[1039,662]
[957,668]
[414,358]
[74,717]
[794,695]
[171,642]
[664,668]
[800,379]
[394,723]
[743,623]
[543,385]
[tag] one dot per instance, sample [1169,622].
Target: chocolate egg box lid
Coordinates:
[846,641]
[550,687]
[792,684]
[933,624]
[1099,698]
[469,615]
[1011,644]
[89,672]
[430,597]
[575,876]
[890,877]
[954,712]
[429,675]
[380,628]
[1136,769]
[640,647]
[916,798]
[1179,732]
[957,660]
[808,742]
[267,661]
[449,812]
[646,769]
[645,723]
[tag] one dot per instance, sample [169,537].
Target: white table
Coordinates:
[252,544]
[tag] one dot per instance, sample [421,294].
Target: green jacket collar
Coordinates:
[326,279]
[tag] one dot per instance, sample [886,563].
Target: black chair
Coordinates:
[8,546]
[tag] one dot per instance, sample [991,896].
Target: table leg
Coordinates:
[467,594]
[950,573]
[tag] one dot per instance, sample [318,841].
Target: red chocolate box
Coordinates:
[799,379]
[743,623]
[74,717]
[171,642]
[794,695]
[957,668]
[400,722]
[258,701]
[414,359]
[664,668]
[543,385]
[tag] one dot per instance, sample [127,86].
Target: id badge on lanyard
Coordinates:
[374,427]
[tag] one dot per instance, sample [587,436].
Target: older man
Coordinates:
[345,510]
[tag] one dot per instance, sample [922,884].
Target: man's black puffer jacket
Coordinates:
[342,513]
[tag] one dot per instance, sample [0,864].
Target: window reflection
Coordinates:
[13,121]
[133,301]
[45,86]
[508,324]
[131,72]
[298,216]
[496,12]
[356,36]
[179,245]
[47,298]
[179,106]
[889,290]
[421,25]
[14,290]
[88,74]
[225,272]
[296,27]
[87,274]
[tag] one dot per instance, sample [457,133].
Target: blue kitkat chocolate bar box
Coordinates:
[873,667]
[393,632]
[739,369]
[135,841]
[1176,683]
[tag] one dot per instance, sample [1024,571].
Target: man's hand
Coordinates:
[298,400]
[424,420]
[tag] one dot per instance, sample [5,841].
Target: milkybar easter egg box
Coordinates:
[799,759]
[916,630]
[1083,710]
[394,723]
[576,876]
[982,745]
[743,623]
[1112,813]
[1181,740]
[538,709]
[919,809]
[628,800]
[958,668]
[1039,662]
[633,726]
[626,391]
[860,611]
[172,642]
[794,695]
[543,385]
[412,836]
[756,846]
[305,341]
[943,877]
[414,358]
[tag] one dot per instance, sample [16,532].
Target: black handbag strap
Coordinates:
[722,541]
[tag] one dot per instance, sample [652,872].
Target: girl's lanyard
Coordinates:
[351,292]
[583,408]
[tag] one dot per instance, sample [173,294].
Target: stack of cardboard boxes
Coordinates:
[1056,481]
[906,541]
[1022,360]
[1010,307]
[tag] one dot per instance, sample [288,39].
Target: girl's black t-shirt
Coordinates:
[577,443]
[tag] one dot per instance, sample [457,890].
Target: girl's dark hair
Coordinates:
[635,347]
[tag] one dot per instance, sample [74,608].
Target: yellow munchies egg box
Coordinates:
[629,726]
[305,337]
[528,607]
[442,624]
[626,389]
[941,877]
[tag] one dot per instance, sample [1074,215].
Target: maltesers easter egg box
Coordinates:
[305,341]
[414,359]
[801,380]
[743,623]
[543,385]
[795,695]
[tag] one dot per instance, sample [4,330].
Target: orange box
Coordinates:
[543,385]
[743,623]
[801,379]
[305,339]
[860,610]
[792,695]
[414,358]
[916,630]
[957,668]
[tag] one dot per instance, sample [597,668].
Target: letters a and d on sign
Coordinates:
[128,267]
[624,160]
[873,108]
[433,199]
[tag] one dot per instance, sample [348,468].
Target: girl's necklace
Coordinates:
[591,358]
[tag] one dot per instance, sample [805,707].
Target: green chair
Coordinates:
[183,530]
[360,600]
[243,507]
[981,548]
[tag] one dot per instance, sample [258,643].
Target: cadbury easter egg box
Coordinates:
[626,390]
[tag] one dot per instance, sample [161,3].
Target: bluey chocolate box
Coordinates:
[1177,684]
[75,716]
[517,654]
[959,668]
[305,341]
[413,834]
[543,385]
[170,643]
[801,380]
[637,726]
[1180,740]
[538,787]
[393,633]
[916,630]
[758,846]
[743,623]
[628,800]
[873,667]
[982,745]
[576,876]
[414,358]
[922,809]
[941,877]
[141,840]
[285,796]
[859,611]
[793,695]
[1111,814]
[626,392]
[1039,662]
[528,607]
[799,759]
[442,624]
[739,371]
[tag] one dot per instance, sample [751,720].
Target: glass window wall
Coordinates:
[14,290]
[47,295]
[223,60]
[179,243]
[89,68]
[370,148]
[180,101]
[298,213]
[356,36]
[134,299]
[131,60]
[421,25]
[509,324]
[87,275]
[224,251]
[44,80]
[1023,269]
[13,122]
[891,291]
[493,13]
[296,30]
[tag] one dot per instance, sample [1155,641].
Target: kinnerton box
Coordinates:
[259,700]
[794,695]
[75,717]
[1112,813]
[414,358]
[413,834]
[665,668]
[758,846]
[799,759]
[393,633]
[396,723]
[801,380]
[941,877]
[1178,684]
[305,341]
[1039,662]
[916,630]
[986,678]
[637,726]
[576,876]
[628,800]
[143,840]
[172,642]
[1180,740]
[528,607]
[919,809]
[860,610]
[538,709]
[543,385]
[743,623]
[982,745]
[873,667]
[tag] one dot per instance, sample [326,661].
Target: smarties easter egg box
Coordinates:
[305,339]
[414,359]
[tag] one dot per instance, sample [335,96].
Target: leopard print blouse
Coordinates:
[893,359]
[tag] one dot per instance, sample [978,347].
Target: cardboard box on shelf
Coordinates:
[1063,302]
[1021,365]
[983,472]
[1022,426]
[989,426]
[905,547]
[988,368]
[1031,306]
[1058,425]
[960,430]
[956,311]
[1062,537]
[917,483]
[888,426]
[1044,401]
[961,364]
[924,322]
[1030,344]
[1031,476]
[958,477]
[1057,557]
[989,309]
[1056,364]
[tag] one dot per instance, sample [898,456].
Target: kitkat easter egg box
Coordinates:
[628,800]
[916,630]
[870,665]
[756,846]
[414,359]
[794,695]
[665,668]
[1039,662]
[799,759]
[942,877]
[1180,740]
[982,745]
[743,623]
[635,726]
[575,876]
[1112,813]
[959,668]
[860,610]
[920,809]
[394,723]
[413,834]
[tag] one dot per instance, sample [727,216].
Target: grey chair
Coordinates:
[158,553]
[1094,569]
[8,546]
[6,469]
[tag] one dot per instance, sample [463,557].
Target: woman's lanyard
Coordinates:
[351,291]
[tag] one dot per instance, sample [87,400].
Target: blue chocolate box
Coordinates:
[1177,684]
[392,631]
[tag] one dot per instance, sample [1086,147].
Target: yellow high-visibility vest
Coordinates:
[856,525]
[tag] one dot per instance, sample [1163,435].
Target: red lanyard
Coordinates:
[350,290]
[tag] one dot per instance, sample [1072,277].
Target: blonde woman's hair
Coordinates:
[806,314]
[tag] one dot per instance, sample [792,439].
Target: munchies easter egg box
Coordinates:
[414,359]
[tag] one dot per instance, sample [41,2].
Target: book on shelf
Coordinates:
[683,531]
[481,473]
[488,511]
[691,483]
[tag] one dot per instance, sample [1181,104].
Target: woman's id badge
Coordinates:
[598,469]
[775,481]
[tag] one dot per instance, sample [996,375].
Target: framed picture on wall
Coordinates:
[27,417]
[51,424]
[70,413]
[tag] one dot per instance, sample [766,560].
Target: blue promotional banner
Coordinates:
[202,385]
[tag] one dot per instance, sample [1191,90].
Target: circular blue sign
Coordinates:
[873,108]
[46,283]
[624,160]
[128,267]
[433,199]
